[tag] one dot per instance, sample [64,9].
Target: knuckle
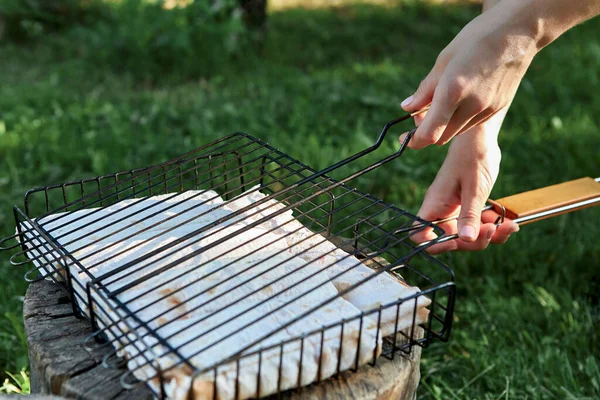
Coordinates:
[470,215]
[416,145]
[485,183]
[482,192]
[479,104]
[456,90]
[428,140]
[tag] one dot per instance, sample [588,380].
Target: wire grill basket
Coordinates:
[235,271]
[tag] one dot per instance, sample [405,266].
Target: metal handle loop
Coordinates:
[6,239]
[19,263]
[32,280]
[91,342]
[127,385]
[113,361]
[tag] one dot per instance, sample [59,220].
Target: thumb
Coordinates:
[424,94]
[473,198]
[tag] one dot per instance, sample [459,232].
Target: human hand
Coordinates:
[475,76]
[461,187]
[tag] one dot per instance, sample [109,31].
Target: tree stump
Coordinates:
[61,365]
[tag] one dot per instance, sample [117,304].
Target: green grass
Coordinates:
[527,316]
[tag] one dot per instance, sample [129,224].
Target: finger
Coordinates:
[437,203]
[460,120]
[422,234]
[473,198]
[504,231]
[507,228]
[448,227]
[424,94]
[478,120]
[444,247]
[499,235]
[419,118]
[425,236]
[486,233]
[434,124]
[489,216]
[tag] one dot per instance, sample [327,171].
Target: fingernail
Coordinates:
[468,231]
[407,101]
[490,233]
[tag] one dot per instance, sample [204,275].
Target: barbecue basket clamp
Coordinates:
[64,229]
[538,204]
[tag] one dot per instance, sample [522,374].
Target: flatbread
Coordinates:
[209,297]
[345,270]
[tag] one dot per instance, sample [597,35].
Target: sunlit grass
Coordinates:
[16,383]
[527,316]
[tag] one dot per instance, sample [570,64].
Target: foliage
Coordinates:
[27,19]
[16,383]
[527,317]
[138,38]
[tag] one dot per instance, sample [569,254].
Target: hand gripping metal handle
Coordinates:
[536,205]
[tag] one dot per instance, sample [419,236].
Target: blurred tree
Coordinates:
[254,13]
[21,19]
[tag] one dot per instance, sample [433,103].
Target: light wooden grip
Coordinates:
[527,205]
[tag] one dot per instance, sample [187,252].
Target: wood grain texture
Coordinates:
[60,365]
[550,197]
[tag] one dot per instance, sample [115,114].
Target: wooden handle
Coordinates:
[539,204]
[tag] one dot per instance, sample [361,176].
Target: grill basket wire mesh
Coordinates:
[374,232]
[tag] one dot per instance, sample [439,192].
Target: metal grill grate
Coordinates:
[237,270]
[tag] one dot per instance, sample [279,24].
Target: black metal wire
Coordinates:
[201,305]
[229,166]
[265,315]
[191,283]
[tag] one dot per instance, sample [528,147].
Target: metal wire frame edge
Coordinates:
[315,174]
[320,172]
[251,138]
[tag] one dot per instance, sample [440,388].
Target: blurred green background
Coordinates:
[89,87]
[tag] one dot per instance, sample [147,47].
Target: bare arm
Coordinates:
[487,4]
[478,73]
[483,66]
[552,18]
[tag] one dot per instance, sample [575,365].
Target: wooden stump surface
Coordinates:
[61,365]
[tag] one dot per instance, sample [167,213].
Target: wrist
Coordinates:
[543,21]
[508,31]
[541,26]
[481,141]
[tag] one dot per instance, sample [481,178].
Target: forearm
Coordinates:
[544,20]
[487,4]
